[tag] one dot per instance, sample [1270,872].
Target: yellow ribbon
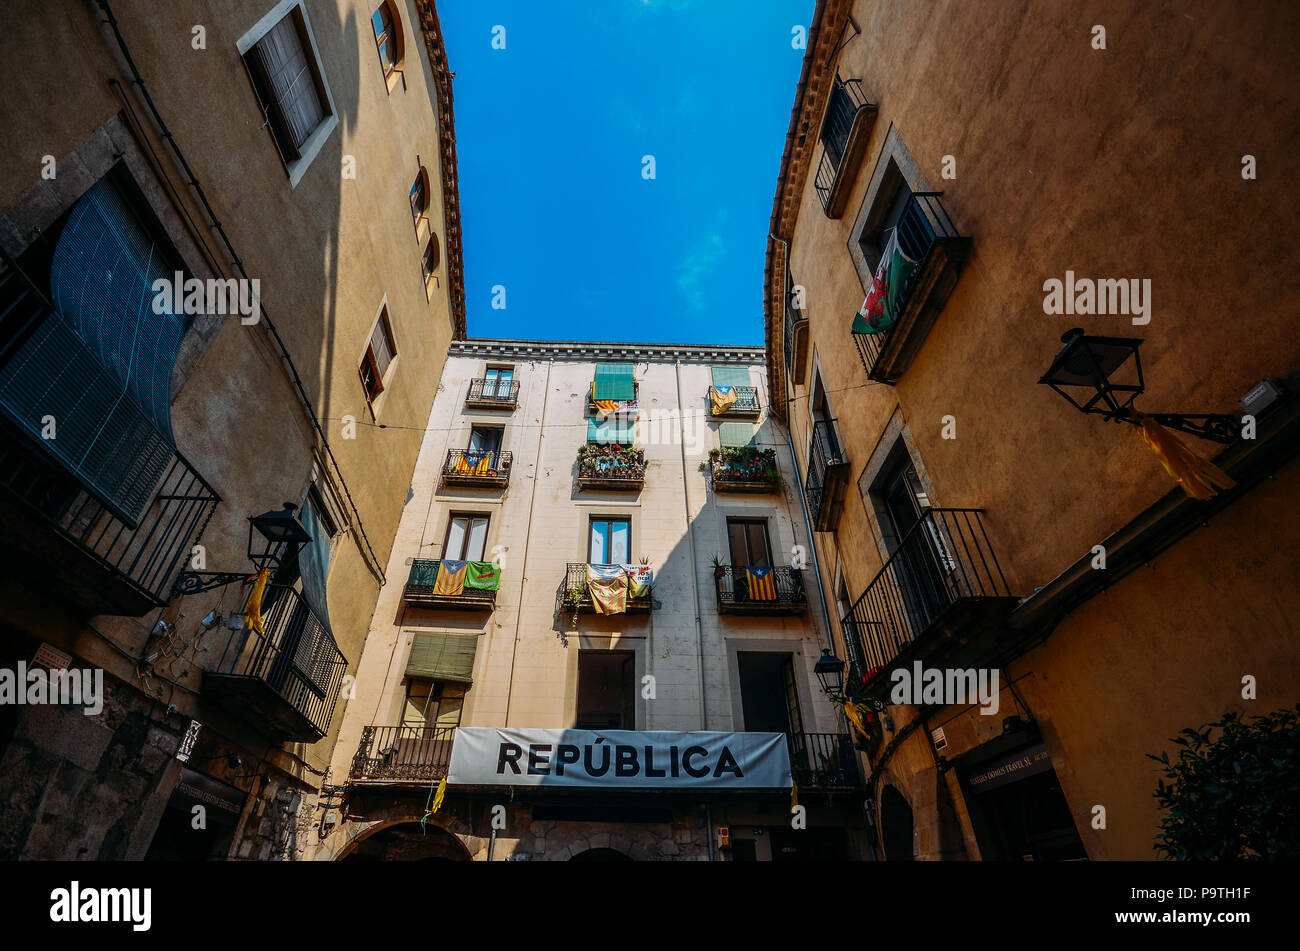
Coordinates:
[253,610]
[855,717]
[794,795]
[437,797]
[1200,478]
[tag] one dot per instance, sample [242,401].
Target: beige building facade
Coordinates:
[519,470]
[294,162]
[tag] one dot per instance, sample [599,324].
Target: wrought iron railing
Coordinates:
[575,595]
[823,761]
[825,461]
[735,589]
[744,469]
[943,560]
[746,402]
[295,655]
[423,576]
[611,463]
[846,100]
[406,753]
[922,225]
[146,557]
[504,392]
[476,464]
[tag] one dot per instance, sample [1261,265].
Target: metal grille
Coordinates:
[402,753]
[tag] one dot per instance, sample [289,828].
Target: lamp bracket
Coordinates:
[1216,427]
[193,582]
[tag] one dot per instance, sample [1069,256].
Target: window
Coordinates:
[388,38]
[420,196]
[615,429]
[749,542]
[466,538]
[892,204]
[433,703]
[735,435]
[606,690]
[378,357]
[429,259]
[902,501]
[610,542]
[485,439]
[290,86]
[614,381]
[498,382]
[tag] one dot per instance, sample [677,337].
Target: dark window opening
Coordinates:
[749,542]
[606,690]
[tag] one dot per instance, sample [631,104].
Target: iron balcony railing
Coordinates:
[420,583]
[142,560]
[487,392]
[477,466]
[294,655]
[575,595]
[823,761]
[611,465]
[923,226]
[827,469]
[746,402]
[945,559]
[846,101]
[594,410]
[794,329]
[743,470]
[406,753]
[785,595]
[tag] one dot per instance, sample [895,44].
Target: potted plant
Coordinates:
[719,569]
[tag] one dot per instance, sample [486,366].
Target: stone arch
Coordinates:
[345,840]
[601,855]
[407,841]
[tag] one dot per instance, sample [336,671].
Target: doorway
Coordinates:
[769,701]
[896,826]
[606,690]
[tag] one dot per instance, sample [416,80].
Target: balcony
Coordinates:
[419,590]
[575,598]
[826,478]
[611,466]
[744,469]
[284,681]
[479,468]
[595,409]
[927,235]
[402,754]
[786,595]
[493,394]
[845,131]
[940,591]
[823,761]
[58,533]
[745,407]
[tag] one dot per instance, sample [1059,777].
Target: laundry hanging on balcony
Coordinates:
[880,310]
[607,585]
[450,582]
[722,398]
[99,366]
[761,583]
[639,580]
[474,462]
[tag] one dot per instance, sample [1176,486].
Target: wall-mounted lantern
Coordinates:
[267,533]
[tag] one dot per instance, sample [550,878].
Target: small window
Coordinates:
[429,259]
[749,543]
[420,196]
[388,38]
[433,703]
[610,542]
[378,357]
[289,84]
[606,690]
[466,538]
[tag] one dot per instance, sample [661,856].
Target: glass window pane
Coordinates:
[417,701]
[599,545]
[736,537]
[758,548]
[449,707]
[619,538]
[477,539]
[456,538]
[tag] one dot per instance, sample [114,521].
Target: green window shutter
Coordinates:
[736,435]
[731,376]
[448,657]
[615,381]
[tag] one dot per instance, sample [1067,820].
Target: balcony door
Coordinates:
[466,538]
[497,382]
[610,541]
[769,700]
[919,557]
[606,690]
[749,542]
[485,439]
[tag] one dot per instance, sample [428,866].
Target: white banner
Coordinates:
[614,759]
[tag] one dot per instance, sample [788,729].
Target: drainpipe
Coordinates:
[492,842]
[708,830]
[690,536]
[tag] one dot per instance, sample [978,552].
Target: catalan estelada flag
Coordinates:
[762,584]
[451,578]
[607,585]
[474,462]
[722,398]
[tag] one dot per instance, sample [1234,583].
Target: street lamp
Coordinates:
[830,671]
[279,527]
[1103,375]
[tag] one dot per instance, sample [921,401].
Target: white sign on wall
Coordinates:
[614,759]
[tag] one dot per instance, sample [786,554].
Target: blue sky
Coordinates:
[550,135]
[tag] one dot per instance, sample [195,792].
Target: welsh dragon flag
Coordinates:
[879,311]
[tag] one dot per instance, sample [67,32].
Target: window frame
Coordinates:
[472,518]
[608,537]
[369,361]
[435,694]
[297,167]
[749,523]
[391,71]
